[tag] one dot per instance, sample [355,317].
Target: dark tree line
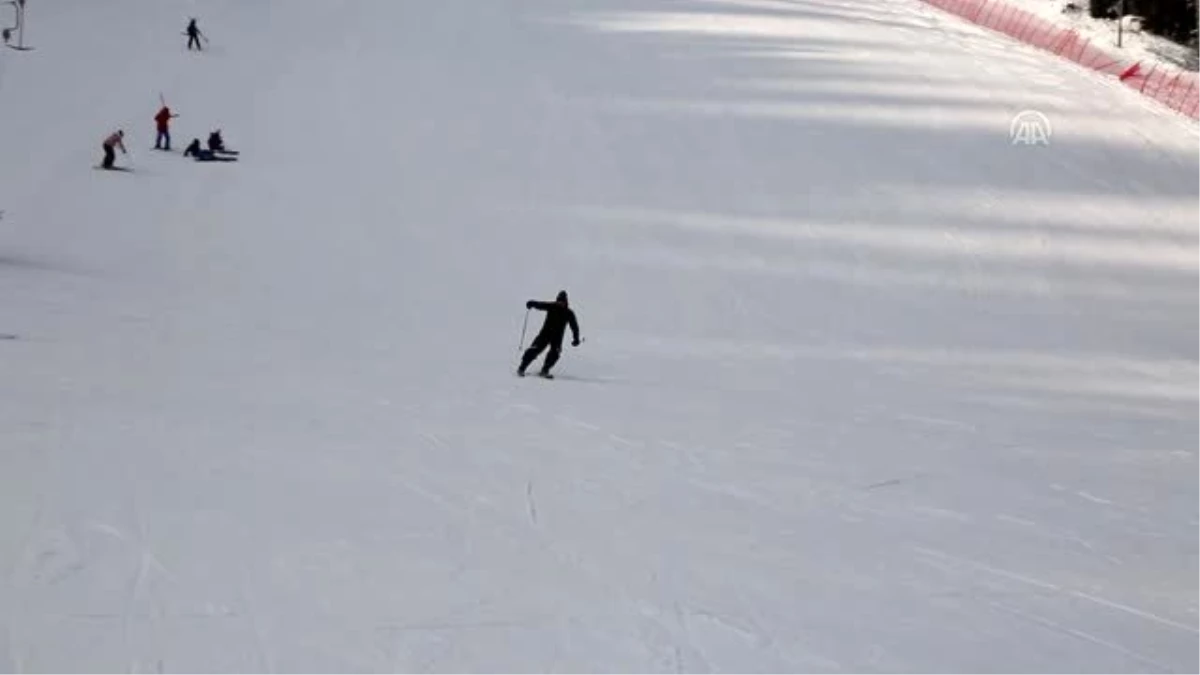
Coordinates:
[1172,19]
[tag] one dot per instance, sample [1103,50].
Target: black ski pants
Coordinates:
[540,343]
[109,157]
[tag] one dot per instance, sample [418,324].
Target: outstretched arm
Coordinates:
[538,304]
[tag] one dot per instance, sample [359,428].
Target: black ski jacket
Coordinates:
[558,317]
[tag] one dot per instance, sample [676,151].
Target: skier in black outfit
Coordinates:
[215,142]
[193,34]
[558,317]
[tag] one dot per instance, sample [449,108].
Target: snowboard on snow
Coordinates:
[115,168]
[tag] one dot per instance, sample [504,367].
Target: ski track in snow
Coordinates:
[1092,498]
[262,649]
[1058,589]
[1042,621]
[18,590]
[533,517]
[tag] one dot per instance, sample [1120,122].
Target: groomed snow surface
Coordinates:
[866,387]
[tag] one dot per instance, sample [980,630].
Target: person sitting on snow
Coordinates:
[217,144]
[194,150]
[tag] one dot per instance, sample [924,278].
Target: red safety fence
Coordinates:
[1174,87]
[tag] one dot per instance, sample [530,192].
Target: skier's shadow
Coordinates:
[21,262]
[589,379]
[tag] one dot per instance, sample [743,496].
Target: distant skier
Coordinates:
[193,33]
[115,140]
[194,150]
[558,317]
[163,121]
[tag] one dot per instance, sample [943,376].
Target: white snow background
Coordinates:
[866,387]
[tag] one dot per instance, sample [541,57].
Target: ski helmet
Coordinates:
[561,297]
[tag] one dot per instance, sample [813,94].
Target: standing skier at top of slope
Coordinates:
[558,316]
[193,35]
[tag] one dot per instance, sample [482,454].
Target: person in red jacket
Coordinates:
[163,120]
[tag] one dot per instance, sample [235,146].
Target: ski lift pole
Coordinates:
[1120,20]
[18,26]
[7,31]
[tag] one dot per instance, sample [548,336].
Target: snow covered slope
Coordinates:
[866,387]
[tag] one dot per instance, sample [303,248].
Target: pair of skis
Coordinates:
[544,376]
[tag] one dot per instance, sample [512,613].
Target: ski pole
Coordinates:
[523,326]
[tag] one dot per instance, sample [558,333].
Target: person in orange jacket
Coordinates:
[115,140]
[163,121]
